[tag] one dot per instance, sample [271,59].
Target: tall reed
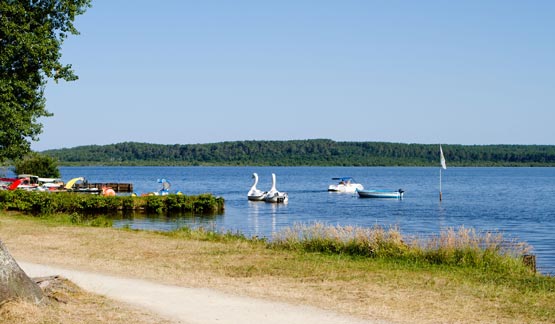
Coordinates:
[318,237]
[461,247]
[467,247]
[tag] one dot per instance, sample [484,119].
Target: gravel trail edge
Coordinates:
[193,305]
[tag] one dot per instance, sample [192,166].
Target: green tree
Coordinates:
[38,164]
[31,35]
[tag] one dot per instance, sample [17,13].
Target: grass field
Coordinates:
[401,288]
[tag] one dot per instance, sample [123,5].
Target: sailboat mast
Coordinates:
[440,198]
[443,166]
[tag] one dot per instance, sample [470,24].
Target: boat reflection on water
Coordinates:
[266,218]
[253,216]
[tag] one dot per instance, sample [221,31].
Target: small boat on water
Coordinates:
[164,190]
[275,196]
[346,184]
[51,184]
[256,194]
[28,182]
[71,186]
[381,193]
[166,185]
[9,183]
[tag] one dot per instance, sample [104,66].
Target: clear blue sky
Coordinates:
[186,72]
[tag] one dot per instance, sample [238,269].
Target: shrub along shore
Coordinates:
[45,203]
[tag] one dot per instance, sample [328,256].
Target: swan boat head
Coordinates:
[274,195]
[254,193]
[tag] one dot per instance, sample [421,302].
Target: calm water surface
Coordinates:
[520,202]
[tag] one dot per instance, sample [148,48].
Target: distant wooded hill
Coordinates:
[316,152]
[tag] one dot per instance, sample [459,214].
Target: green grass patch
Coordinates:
[77,219]
[210,235]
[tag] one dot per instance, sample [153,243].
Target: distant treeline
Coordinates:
[315,152]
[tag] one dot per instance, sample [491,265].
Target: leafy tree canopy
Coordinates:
[315,152]
[38,164]
[31,35]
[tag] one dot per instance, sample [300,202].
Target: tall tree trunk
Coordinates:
[14,283]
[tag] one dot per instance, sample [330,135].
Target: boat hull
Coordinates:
[256,197]
[276,198]
[395,194]
[345,188]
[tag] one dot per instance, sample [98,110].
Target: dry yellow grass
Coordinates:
[362,289]
[69,304]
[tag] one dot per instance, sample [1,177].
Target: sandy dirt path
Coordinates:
[193,305]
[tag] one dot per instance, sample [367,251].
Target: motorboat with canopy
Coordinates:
[346,184]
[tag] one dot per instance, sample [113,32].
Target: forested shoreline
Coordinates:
[313,152]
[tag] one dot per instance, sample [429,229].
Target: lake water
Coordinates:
[519,202]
